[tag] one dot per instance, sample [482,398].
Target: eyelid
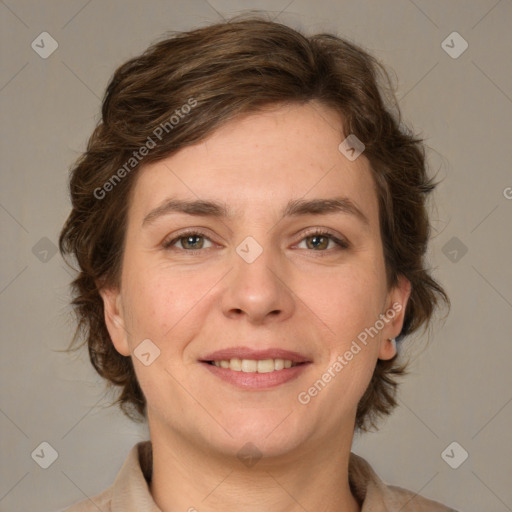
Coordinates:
[169,241]
[339,240]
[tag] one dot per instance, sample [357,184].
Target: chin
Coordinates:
[264,433]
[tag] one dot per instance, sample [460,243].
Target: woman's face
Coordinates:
[248,278]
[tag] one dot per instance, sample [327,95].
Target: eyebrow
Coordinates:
[294,208]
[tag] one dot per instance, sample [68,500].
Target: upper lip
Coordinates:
[248,353]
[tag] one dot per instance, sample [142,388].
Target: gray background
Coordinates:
[460,383]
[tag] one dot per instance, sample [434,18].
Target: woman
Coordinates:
[249,223]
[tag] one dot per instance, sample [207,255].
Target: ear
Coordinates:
[114,319]
[393,317]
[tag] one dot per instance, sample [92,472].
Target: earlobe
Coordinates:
[395,314]
[387,349]
[114,319]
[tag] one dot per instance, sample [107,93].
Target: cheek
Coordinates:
[350,300]
[163,302]
[353,306]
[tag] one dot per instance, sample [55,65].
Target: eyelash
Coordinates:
[342,244]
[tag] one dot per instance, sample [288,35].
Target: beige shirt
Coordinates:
[130,490]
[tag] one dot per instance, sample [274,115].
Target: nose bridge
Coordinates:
[257,285]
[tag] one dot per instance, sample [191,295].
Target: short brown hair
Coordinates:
[227,70]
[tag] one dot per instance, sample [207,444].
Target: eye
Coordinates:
[319,240]
[190,241]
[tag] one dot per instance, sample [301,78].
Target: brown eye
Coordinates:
[319,241]
[191,241]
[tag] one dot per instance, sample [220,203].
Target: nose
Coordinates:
[260,291]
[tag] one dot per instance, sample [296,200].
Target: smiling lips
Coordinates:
[256,369]
[254,365]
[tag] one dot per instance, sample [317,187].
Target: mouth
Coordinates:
[250,369]
[254,365]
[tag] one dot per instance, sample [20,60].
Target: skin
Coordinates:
[294,296]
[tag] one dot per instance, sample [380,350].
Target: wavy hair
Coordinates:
[231,69]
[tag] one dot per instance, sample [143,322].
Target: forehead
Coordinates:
[257,163]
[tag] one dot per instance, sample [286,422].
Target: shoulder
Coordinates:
[101,502]
[129,489]
[375,495]
[408,501]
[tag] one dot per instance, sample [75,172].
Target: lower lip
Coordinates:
[254,380]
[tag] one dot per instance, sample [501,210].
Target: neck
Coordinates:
[192,478]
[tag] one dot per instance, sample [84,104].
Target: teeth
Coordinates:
[233,364]
[249,365]
[255,366]
[266,366]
